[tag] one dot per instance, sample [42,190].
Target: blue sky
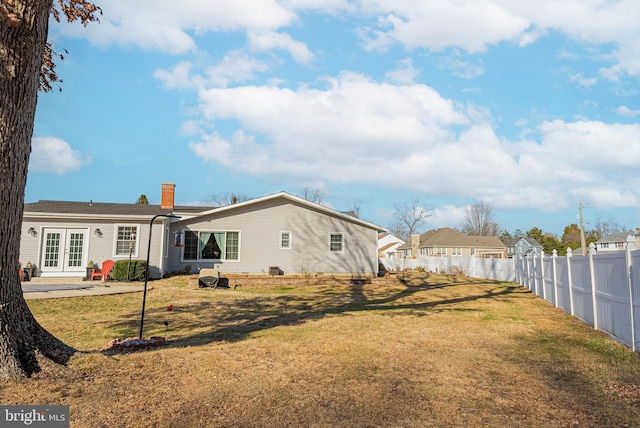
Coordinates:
[532,107]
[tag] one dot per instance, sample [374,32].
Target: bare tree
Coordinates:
[478,220]
[313,195]
[409,217]
[608,226]
[224,199]
[356,207]
[26,65]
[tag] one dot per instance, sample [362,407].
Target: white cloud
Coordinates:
[436,24]
[472,26]
[583,81]
[356,130]
[446,216]
[405,73]
[352,113]
[234,67]
[627,112]
[55,156]
[460,67]
[166,26]
[271,40]
[178,77]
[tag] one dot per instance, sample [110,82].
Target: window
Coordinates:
[285,240]
[335,242]
[126,240]
[604,245]
[426,251]
[441,251]
[233,245]
[456,251]
[619,244]
[200,245]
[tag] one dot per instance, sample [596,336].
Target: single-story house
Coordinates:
[279,233]
[523,246]
[388,245]
[449,242]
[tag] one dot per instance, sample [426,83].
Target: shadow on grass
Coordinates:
[237,318]
[597,390]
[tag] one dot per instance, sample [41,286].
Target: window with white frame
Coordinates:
[205,245]
[426,251]
[336,242]
[441,251]
[285,240]
[126,240]
[456,251]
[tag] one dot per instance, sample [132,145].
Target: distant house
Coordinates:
[279,232]
[388,245]
[523,246]
[450,242]
[618,241]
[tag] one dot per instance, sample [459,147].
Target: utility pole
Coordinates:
[583,241]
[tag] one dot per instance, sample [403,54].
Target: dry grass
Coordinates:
[428,351]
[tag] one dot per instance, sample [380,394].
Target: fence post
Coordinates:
[534,273]
[569,255]
[544,291]
[530,283]
[592,272]
[555,278]
[629,261]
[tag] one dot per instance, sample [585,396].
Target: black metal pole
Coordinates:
[146,273]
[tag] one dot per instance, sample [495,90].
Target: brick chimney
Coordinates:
[168,193]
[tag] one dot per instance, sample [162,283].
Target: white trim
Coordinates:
[293,198]
[225,260]
[60,270]
[342,243]
[290,240]
[114,247]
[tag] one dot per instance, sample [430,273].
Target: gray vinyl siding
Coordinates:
[259,228]
[99,248]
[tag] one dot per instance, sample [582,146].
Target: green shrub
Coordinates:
[136,270]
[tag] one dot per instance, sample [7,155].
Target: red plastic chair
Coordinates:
[104,271]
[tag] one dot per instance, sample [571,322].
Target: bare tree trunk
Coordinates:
[22,43]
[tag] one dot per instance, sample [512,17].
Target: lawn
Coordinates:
[426,350]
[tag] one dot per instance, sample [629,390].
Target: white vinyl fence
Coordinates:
[602,290]
[476,267]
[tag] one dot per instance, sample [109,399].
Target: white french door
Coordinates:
[64,251]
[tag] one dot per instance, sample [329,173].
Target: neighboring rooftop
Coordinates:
[453,238]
